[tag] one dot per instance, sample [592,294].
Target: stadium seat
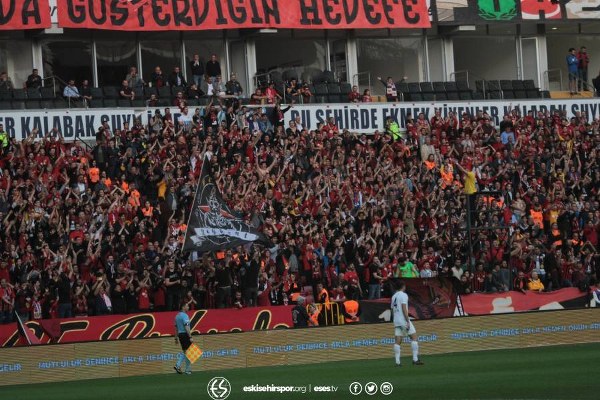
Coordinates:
[47,104]
[453,96]
[203,101]
[320,89]
[176,89]
[97,93]
[426,87]
[110,103]
[111,92]
[414,87]
[19,94]
[96,103]
[478,96]
[149,91]
[333,88]
[494,95]
[33,94]
[508,94]
[520,94]
[479,85]
[465,95]
[517,84]
[124,103]
[439,87]
[164,92]
[335,98]
[529,84]
[5,105]
[59,103]
[415,97]
[402,87]
[428,96]
[441,96]
[18,105]
[5,95]
[533,94]
[463,86]
[139,93]
[161,103]
[47,93]
[492,86]
[345,88]
[506,85]
[545,94]
[140,103]
[450,87]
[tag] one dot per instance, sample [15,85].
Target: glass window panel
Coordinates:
[160,50]
[205,47]
[114,60]
[395,57]
[16,59]
[485,57]
[68,60]
[301,59]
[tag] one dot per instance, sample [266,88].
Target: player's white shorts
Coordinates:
[400,331]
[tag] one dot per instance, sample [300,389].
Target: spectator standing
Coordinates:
[5,81]
[176,78]
[582,67]
[157,78]
[233,87]
[596,83]
[4,140]
[134,80]
[223,282]
[213,69]
[391,92]
[34,81]
[85,91]
[173,284]
[197,69]
[300,316]
[573,68]
[366,96]
[65,299]
[7,301]
[126,92]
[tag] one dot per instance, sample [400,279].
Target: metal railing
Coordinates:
[258,76]
[469,74]
[61,81]
[356,79]
[548,79]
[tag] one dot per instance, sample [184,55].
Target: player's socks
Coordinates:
[188,366]
[180,358]
[415,350]
[397,353]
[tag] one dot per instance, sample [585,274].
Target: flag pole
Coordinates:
[187,228]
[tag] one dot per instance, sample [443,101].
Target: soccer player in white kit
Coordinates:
[402,325]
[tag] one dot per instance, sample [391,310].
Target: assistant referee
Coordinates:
[184,336]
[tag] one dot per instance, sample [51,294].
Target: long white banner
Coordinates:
[366,118]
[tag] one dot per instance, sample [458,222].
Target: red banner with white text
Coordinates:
[507,302]
[24,14]
[136,326]
[168,15]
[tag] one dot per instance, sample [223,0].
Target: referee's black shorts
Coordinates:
[184,340]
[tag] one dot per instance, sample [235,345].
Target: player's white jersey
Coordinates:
[398,299]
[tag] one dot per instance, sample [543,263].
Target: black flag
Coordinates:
[212,226]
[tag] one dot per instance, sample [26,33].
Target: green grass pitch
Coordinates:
[557,372]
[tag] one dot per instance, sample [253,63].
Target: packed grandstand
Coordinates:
[90,230]
[96,226]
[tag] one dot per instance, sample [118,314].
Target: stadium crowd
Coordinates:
[99,230]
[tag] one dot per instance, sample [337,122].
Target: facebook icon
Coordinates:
[355,388]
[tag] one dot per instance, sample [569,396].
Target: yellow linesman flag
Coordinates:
[193,353]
